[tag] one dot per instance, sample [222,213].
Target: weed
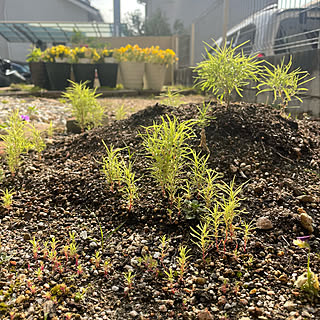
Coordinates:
[247,229]
[209,188]
[50,130]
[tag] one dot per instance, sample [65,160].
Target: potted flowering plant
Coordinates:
[131,59]
[83,66]
[157,61]
[107,69]
[38,71]
[58,69]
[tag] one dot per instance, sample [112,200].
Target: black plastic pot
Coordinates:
[58,74]
[107,74]
[84,72]
[39,74]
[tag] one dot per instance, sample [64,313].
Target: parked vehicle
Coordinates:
[10,73]
[277,31]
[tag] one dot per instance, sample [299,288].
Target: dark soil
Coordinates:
[65,192]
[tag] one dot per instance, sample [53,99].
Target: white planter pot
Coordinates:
[61,60]
[154,76]
[132,74]
[109,60]
[84,60]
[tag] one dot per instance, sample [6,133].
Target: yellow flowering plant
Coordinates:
[130,53]
[159,56]
[60,51]
[104,53]
[84,52]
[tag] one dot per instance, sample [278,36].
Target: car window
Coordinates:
[247,33]
[297,33]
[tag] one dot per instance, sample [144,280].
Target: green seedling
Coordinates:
[80,295]
[129,279]
[166,144]
[308,281]
[32,110]
[199,167]
[226,70]
[215,217]
[37,141]
[183,261]
[15,141]
[203,117]
[209,189]
[150,263]
[120,113]
[7,198]
[112,166]
[79,270]
[284,84]
[247,229]
[164,244]
[171,98]
[50,130]
[96,259]
[35,247]
[129,182]
[203,238]
[106,267]
[84,106]
[170,276]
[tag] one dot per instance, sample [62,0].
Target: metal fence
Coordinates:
[271,26]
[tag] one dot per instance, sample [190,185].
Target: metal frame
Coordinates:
[45,31]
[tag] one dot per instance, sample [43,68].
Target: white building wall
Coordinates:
[35,10]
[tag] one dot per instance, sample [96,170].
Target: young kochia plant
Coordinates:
[15,141]
[284,84]
[85,108]
[183,261]
[112,166]
[129,181]
[166,144]
[203,239]
[226,70]
[7,198]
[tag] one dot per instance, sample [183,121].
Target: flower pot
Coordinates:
[61,60]
[39,74]
[58,75]
[84,60]
[109,60]
[154,76]
[107,74]
[84,72]
[132,74]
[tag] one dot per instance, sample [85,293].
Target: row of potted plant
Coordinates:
[84,54]
[138,66]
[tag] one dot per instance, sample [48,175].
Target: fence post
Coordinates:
[192,42]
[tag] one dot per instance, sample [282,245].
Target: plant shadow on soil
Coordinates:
[66,192]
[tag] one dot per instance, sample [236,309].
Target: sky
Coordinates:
[106,8]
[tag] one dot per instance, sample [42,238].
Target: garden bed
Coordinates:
[65,195]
